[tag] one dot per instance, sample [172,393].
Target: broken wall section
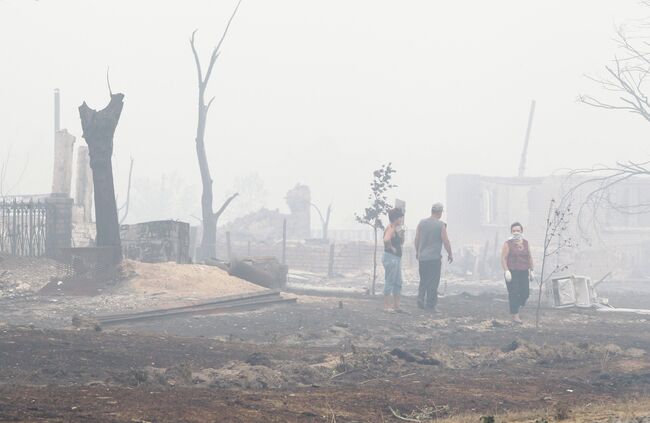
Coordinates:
[267,225]
[156,242]
[84,230]
[62,170]
[480,210]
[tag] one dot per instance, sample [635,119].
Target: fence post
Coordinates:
[330,265]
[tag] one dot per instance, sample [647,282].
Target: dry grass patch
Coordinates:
[637,411]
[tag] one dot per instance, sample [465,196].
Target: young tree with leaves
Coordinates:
[379,206]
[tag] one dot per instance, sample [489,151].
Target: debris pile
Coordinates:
[21,276]
[240,375]
[182,280]
[568,351]
[261,371]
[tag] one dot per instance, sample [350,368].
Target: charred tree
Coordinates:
[98,131]
[209,218]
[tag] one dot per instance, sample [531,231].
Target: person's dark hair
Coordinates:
[517,224]
[394,214]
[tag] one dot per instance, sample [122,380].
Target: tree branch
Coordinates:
[322,219]
[207,107]
[602,180]
[217,49]
[196,60]
[225,205]
[108,81]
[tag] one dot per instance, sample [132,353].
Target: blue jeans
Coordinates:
[393,274]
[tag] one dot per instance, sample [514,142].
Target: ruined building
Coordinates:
[480,210]
[266,225]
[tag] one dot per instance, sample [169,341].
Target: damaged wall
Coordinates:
[62,168]
[299,221]
[480,210]
[84,184]
[266,225]
[156,242]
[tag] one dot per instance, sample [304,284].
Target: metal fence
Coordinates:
[23,227]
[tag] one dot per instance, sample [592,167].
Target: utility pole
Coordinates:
[524,153]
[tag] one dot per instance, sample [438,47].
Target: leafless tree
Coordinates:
[209,217]
[627,76]
[556,241]
[596,186]
[625,86]
[324,220]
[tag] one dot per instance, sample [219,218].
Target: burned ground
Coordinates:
[323,359]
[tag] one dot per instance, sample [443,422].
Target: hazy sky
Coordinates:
[319,92]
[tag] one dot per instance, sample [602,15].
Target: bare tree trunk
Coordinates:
[209,218]
[209,238]
[326,223]
[98,131]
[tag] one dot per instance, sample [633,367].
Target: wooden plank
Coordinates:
[213,309]
[216,301]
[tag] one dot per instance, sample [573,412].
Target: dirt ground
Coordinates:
[325,359]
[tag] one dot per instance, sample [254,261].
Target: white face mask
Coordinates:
[517,236]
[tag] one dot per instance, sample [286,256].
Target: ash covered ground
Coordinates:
[325,358]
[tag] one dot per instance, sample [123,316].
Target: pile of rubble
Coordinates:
[21,276]
[26,276]
[182,280]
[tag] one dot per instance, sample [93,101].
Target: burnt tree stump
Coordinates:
[98,131]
